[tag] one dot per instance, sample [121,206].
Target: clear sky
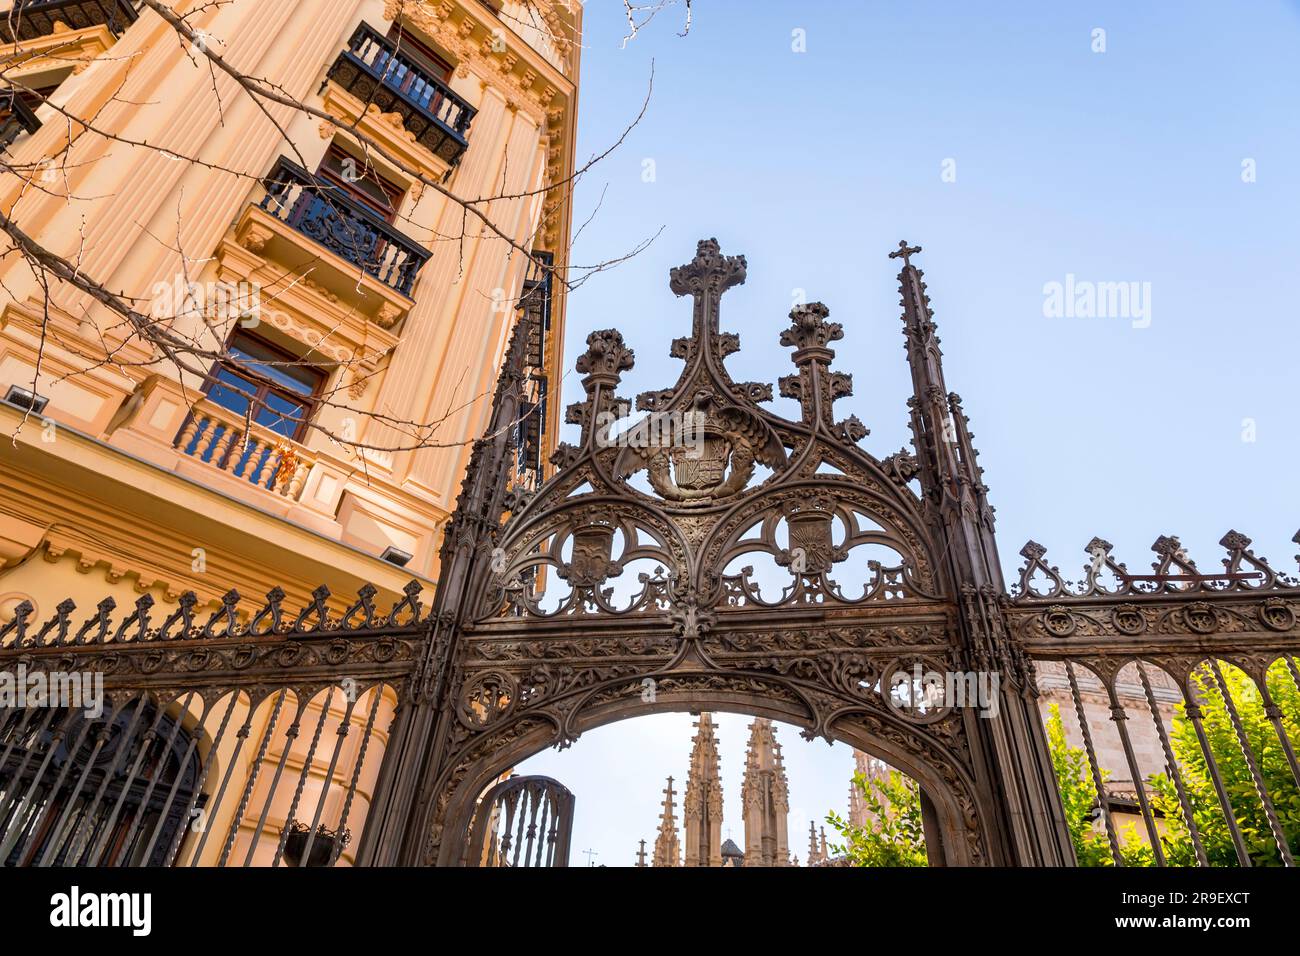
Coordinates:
[1127,165]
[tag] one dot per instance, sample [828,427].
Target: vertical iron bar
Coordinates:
[1274,714]
[537,831]
[1295,671]
[554,831]
[344,727]
[17,735]
[241,735]
[1172,763]
[195,737]
[252,779]
[560,838]
[543,824]
[1120,717]
[566,830]
[508,801]
[302,777]
[60,858]
[290,737]
[532,826]
[522,799]
[1103,800]
[337,849]
[1193,709]
[1279,835]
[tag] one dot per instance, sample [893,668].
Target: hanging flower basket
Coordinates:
[322,848]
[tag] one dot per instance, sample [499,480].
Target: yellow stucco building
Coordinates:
[348,315]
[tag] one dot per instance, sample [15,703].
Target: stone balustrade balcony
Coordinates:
[225,441]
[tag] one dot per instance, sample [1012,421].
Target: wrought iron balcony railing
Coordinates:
[342,225]
[32,19]
[375,70]
[535,303]
[15,117]
[535,298]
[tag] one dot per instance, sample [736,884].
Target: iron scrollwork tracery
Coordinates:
[639,562]
[646,572]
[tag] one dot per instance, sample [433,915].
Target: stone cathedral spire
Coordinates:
[765,797]
[667,848]
[874,770]
[818,851]
[702,806]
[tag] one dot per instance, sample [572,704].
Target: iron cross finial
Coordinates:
[904,251]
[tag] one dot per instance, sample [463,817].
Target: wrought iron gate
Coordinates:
[251,738]
[523,821]
[632,567]
[1199,666]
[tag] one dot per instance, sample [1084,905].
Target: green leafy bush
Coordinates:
[897,835]
[897,838]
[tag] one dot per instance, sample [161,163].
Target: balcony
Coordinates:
[33,19]
[535,300]
[530,436]
[257,455]
[374,71]
[342,226]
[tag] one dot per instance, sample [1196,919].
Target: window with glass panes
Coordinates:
[408,81]
[355,179]
[267,384]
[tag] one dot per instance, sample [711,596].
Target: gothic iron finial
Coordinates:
[606,357]
[904,252]
[709,271]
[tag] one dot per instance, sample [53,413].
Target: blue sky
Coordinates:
[1116,166]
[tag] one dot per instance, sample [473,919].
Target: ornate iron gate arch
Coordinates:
[866,582]
[881,562]
[951,811]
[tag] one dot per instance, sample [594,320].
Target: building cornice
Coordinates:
[62,48]
[258,545]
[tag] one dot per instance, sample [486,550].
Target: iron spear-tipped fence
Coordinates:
[236,737]
[1177,694]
